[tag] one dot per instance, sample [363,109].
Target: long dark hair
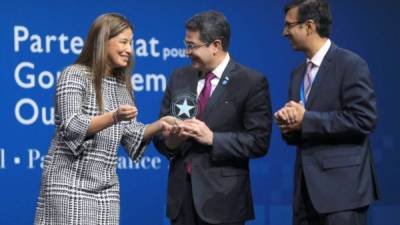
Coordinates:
[94,52]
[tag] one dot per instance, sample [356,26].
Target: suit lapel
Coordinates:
[221,87]
[323,72]
[298,77]
[193,82]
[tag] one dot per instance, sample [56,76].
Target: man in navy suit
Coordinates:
[330,113]
[209,155]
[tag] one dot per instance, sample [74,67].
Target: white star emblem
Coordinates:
[184,108]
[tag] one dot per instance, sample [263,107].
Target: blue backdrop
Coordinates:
[39,38]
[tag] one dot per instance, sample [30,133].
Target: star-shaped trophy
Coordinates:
[184,106]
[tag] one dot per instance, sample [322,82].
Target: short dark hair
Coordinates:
[316,10]
[211,25]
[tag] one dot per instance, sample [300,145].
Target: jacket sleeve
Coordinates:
[72,124]
[132,139]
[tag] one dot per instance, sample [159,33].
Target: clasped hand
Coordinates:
[290,117]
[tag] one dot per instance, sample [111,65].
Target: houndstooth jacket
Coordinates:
[79,181]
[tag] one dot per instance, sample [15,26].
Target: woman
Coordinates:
[94,114]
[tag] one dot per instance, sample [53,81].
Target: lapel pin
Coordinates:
[225,81]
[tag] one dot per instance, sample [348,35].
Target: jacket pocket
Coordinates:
[341,161]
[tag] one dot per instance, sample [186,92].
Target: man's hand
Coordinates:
[198,130]
[285,115]
[290,117]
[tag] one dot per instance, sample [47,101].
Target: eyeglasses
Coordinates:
[190,46]
[290,25]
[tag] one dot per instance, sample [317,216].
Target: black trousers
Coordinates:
[305,214]
[188,214]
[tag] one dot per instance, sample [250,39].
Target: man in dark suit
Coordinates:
[330,113]
[209,155]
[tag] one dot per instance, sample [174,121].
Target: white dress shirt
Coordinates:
[217,72]
[317,59]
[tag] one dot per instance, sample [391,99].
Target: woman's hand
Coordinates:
[125,113]
[170,120]
[165,125]
[172,132]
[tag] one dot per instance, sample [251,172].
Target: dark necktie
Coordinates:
[204,95]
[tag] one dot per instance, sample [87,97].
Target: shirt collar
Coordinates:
[319,56]
[222,66]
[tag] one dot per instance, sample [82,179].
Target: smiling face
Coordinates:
[294,30]
[200,53]
[119,49]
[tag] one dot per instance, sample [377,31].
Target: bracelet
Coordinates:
[115,116]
